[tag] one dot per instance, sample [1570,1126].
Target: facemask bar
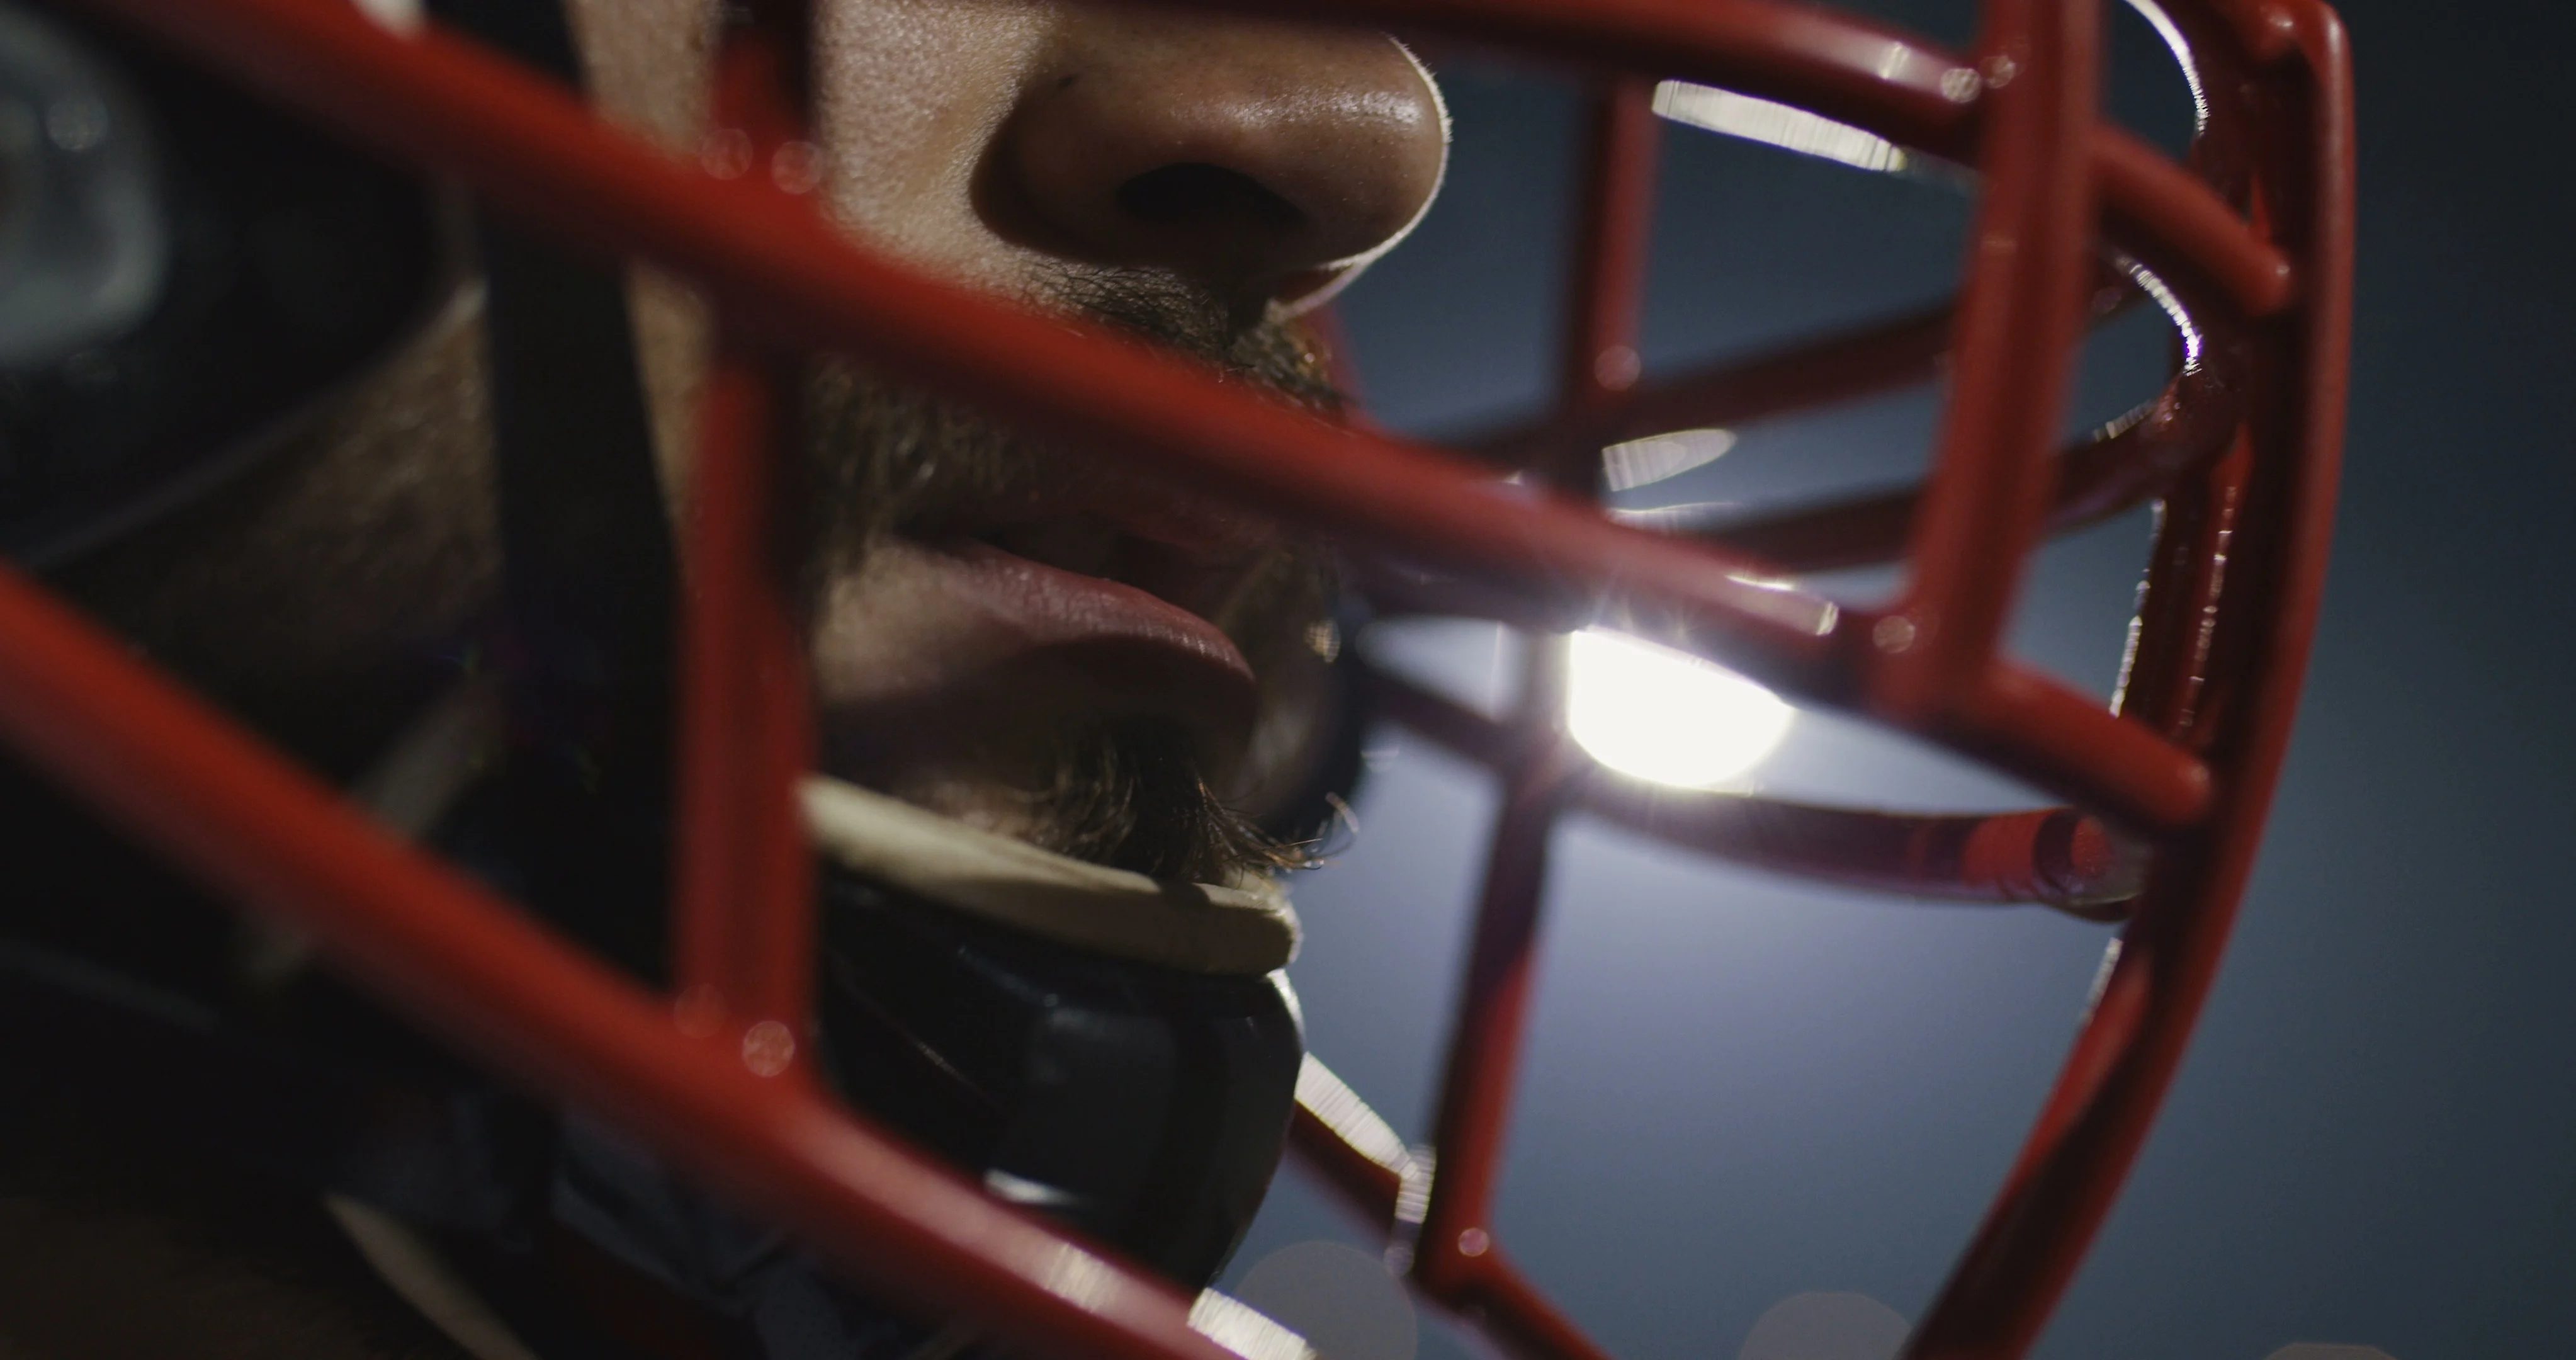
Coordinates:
[2258,249]
[2247,433]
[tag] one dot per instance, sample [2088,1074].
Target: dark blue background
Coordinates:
[1741,1087]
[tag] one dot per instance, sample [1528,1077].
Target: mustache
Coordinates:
[884,458]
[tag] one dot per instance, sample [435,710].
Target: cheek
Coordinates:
[648,62]
[909,95]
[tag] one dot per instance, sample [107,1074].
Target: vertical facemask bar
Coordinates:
[2019,319]
[745,925]
[1458,1257]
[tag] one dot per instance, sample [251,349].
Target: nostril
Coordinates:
[1195,193]
[1262,161]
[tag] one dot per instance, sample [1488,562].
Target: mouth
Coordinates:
[1184,553]
[1011,624]
[1071,585]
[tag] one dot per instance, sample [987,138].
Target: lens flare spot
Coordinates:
[1826,1326]
[1341,1300]
[1663,715]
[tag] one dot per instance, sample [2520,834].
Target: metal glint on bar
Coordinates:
[2252,247]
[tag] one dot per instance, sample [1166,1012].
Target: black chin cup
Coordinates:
[181,267]
[1144,1107]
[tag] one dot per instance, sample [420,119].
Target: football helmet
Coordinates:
[814,1062]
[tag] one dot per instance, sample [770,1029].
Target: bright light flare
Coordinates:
[1667,716]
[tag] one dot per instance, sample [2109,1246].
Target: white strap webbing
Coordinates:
[1194,927]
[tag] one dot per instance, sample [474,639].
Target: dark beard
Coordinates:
[884,460]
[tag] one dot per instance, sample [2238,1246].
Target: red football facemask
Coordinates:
[2249,249]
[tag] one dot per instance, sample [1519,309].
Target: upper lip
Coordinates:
[1180,548]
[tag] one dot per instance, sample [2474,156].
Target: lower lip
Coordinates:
[936,648]
[1050,606]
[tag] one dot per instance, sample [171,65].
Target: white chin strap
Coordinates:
[416,1271]
[1242,929]
[1248,928]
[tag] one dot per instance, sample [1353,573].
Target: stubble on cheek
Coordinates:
[322,596]
[318,594]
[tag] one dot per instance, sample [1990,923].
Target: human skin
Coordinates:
[985,140]
[1240,169]
[1249,168]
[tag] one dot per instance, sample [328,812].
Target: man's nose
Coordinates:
[1264,161]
